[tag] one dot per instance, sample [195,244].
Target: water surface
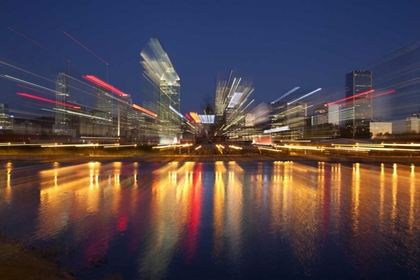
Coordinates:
[222,220]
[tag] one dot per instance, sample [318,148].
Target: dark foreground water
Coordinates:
[219,220]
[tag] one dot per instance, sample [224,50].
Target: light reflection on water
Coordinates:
[219,220]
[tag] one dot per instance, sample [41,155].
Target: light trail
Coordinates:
[46,100]
[248,105]
[189,117]
[106,63]
[25,71]
[103,84]
[144,110]
[350,97]
[306,95]
[176,112]
[195,116]
[25,82]
[76,113]
[33,89]
[38,44]
[286,94]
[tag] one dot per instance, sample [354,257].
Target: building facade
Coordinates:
[6,120]
[378,129]
[359,102]
[62,125]
[412,124]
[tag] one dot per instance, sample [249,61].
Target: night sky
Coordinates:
[276,44]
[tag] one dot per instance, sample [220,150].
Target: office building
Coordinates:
[412,124]
[104,113]
[6,120]
[378,129]
[359,103]
[62,124]
[165,92]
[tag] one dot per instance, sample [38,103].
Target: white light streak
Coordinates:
[286,94]
[234,100]
[306,95]
[277,129]
[176,112]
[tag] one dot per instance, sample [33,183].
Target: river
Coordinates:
[218,220]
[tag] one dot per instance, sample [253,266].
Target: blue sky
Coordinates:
[277,44]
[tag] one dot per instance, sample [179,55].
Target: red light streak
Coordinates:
[36,43]
[106,63]
[189,118]
[195,215]
[144,110]
[46,100]
[350,97]
[101,83]
[377,95]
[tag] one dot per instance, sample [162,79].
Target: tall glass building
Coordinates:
[359,103]
[62,92]
[165,95]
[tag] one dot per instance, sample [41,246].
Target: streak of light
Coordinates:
[144,110]
[176,112]
[235,147]
[25,82]
[38,44]
[46,100]
[234,100]
[33,89]
[194,115]
[103,84]
[106,63]
[189,117]
[14,111]
[77,114]
[171,146]
[248,105]
[286,94]
[277,129]
[350,97]
[306,95]
[197,148]
[269,149]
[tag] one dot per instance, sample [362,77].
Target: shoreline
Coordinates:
[210,158]
[18,261]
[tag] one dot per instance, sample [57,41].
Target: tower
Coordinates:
[359,103]
[62,93]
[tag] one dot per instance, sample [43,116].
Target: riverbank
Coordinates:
[18,262]
[212,158]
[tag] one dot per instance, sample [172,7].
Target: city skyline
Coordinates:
[273,70]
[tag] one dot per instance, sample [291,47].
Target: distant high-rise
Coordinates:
[359,92]
[62,93]
[6,120]
[166,93]
[104,105]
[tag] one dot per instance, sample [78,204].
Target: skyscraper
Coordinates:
[62,93]
[359,91]
[159,71]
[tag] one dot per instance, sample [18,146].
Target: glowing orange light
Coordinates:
[144,110]
[101,83]
[47,100]
[195,116]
